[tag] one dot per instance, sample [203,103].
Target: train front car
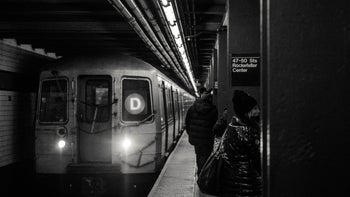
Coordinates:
[97,124]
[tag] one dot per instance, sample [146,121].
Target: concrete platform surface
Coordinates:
[178,177]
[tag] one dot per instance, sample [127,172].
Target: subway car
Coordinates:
[105,116]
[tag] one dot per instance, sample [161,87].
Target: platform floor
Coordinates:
[178,177]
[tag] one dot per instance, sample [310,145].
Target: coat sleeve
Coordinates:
[216,113]
[219,127]
[254,149]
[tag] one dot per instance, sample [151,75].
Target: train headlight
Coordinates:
[61,144]
[126,143]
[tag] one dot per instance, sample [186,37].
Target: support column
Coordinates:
[307,46]
[222,69]
[243,38]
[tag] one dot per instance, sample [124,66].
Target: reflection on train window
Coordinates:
[97,100]
[136,100]
[170,104]
[53,103]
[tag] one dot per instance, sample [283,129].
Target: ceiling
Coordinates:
[69,27]
[201,20]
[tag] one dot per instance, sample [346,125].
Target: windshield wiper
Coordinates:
[145,119]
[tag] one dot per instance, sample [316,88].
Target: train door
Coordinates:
[166,115]
[170,116]
[178,111]
[183,114]
[94,119]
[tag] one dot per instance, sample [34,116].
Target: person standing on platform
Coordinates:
[200,118]
[241,173]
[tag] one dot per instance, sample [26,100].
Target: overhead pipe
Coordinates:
[132,21]
[180,23]
[120,7]
[146,26]
[169,34]
[151,33]
[191,34]
[180,28]
[161,35]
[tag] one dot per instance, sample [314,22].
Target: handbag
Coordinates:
[209,177]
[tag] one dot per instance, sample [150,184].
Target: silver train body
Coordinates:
[106,114]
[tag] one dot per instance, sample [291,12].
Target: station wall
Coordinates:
[19,69]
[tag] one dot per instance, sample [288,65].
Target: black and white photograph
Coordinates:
[174,98]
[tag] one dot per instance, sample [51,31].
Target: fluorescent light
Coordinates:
[182,50]
[175,31]
[169,13]
[178,41]
[164,2]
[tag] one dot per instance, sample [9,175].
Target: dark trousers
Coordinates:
[202,154]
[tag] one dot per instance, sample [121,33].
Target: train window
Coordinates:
[176,103]
[170,103]
[97,99]
[53,101]
[136,99]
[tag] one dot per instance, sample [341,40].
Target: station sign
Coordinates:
[245,69]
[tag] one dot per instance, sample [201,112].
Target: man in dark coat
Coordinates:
[200,119]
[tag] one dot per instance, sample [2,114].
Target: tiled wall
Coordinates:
[19,69]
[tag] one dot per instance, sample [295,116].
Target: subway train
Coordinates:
[104,116]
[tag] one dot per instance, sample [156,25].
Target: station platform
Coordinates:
[178,176]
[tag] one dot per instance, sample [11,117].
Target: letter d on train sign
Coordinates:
[134,103]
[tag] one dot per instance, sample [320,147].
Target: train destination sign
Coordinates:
[245,70]
[134,103]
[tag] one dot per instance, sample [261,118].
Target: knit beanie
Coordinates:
[242,103]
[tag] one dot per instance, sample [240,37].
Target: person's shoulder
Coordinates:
[210,104]
[237,124]
[235,121]
[238,132]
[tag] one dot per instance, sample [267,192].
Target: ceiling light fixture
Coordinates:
[169,13]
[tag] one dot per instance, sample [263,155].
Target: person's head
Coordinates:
[245,106]
[206,95]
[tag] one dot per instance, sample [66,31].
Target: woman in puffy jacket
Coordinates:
[241,170]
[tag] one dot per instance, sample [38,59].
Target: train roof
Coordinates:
[105,61]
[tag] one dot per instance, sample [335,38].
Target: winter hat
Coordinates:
[242,103]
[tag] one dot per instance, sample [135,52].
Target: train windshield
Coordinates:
[136,100]
[53,102]
[97,99]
